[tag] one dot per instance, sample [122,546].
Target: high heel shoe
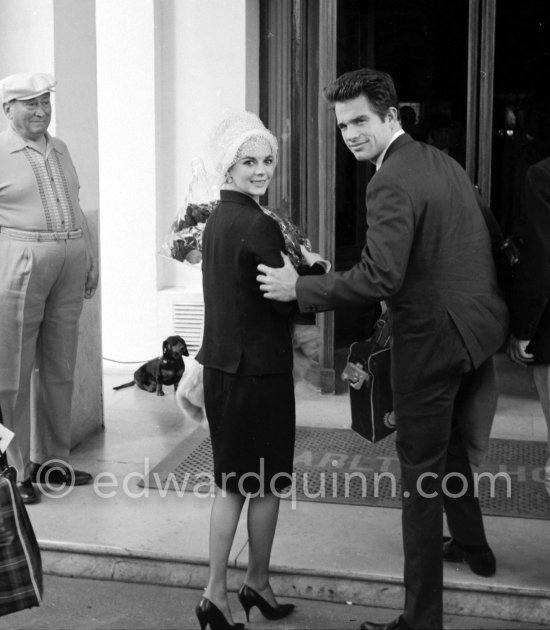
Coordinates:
[249,598]
[210,615]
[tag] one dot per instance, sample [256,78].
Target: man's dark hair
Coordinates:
[376,85]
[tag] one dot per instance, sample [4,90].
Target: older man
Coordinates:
[47,268]
[428,255]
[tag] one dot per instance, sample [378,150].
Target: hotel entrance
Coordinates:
[471,78]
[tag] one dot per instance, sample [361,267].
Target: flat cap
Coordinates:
[26,86]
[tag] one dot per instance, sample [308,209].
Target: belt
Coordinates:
[35,235]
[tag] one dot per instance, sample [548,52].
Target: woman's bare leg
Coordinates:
[263,513]
[224,519]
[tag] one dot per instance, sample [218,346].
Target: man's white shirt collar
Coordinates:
[380,158]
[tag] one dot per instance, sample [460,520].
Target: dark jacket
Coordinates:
[428,255]
[531,287]
[244,332]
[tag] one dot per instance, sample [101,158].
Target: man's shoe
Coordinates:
[27,492]
[396,624]
[482,562]
[58,475]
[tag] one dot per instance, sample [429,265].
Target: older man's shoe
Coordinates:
[57,475]
[27,492]
[396,624]
[481,560]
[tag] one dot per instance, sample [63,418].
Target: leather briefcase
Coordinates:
[368,376]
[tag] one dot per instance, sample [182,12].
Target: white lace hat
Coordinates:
[232,133]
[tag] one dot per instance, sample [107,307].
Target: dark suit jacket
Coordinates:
[428,255]
[243,331]
[531,288]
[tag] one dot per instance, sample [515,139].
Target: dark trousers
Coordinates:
[434,467]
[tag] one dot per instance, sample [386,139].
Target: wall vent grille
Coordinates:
[188,323]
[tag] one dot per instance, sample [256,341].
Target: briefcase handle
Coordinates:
[3,457]
[382,331]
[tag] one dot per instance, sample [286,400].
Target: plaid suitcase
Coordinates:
[20,562]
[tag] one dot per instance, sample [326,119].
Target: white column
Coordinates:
[76,124]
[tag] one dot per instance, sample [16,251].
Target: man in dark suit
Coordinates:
[428,255]
[530,306]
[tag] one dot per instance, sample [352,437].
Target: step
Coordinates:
[496,601]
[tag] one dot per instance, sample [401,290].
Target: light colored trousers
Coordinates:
[41,297]
[541,376]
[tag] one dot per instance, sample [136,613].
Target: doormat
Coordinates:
[338,466]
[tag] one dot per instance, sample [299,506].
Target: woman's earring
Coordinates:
[228,179]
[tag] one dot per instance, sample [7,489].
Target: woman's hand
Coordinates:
[516,351]
[310,257]
[194,257]
[313,257]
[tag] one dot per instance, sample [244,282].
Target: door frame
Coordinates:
[479,120]
[293,107]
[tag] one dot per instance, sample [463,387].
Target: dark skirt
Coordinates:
[252,423]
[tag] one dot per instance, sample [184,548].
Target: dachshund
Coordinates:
[165,370]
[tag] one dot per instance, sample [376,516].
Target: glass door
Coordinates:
[424,46]
[520,105]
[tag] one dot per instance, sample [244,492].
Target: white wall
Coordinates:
[26,42]
[167,72]
[127,174]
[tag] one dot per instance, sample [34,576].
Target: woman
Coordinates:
[247,358]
